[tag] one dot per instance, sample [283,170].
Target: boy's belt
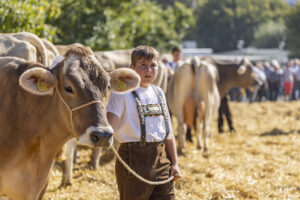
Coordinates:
[151,110]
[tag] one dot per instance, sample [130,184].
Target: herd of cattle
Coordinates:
[44,108]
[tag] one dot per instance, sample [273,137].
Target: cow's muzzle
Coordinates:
[102,138]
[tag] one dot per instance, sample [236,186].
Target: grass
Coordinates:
[260,161]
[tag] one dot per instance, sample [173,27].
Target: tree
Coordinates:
[28,15]
[220,24]
[113,24]
[269,35]
[293,30]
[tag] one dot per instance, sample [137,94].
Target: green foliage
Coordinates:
[269,35]
[293,30]
[220,24]
[28,15]
[122,24]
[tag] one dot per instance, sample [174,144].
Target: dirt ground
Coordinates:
[260,161]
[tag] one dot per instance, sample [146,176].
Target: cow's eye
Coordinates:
[69,90]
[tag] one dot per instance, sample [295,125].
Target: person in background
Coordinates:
[261,92]
[288,81]
[172,66]
[274,80]
[296,90]
[268,69]
[224,110]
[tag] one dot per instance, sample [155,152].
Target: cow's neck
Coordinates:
[52,126]
[59,127]
[226,79]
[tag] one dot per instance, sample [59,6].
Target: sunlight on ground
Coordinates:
[260,161]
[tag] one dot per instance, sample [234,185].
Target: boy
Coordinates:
[142,125]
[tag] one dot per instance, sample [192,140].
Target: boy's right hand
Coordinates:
[175,172]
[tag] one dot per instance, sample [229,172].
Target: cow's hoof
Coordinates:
[180,152]
[232,130]
[189,137]
[63,185]
[204,149]
[94,166]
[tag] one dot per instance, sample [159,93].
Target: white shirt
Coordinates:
[174,65]
[128,128]
[260,74]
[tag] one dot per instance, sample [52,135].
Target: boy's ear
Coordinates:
[131,66]
[124,80]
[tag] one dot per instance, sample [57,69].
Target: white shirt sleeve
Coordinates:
[116,104]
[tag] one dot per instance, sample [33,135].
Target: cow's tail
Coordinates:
[195,64]
[36,42]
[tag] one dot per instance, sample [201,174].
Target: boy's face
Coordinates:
[147,69]
[176,56]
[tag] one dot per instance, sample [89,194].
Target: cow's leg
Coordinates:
[189,134]
[181,130]
[95,158]
[189,115]
[199,133]
[206,132]
[68,163]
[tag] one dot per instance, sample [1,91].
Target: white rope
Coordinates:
[138,176]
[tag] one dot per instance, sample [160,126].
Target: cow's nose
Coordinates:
[101,138]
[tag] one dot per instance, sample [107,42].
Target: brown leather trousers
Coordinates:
[149,161]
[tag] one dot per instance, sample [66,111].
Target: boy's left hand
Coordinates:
[175,172]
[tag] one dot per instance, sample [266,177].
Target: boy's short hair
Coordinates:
[141,52]
[176,48]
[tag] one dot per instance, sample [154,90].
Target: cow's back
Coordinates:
[179,87]
[10,46]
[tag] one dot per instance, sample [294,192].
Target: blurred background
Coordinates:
[231,27]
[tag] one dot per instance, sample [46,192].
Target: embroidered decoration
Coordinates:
[152,110]
[120,85]
[42,87]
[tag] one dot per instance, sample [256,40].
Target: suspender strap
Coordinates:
[141,116]
[164,109]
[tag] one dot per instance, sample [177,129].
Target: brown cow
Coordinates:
[42,108]
[234,74]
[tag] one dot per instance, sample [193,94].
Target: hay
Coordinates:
[260,161]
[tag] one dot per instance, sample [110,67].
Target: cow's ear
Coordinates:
[38,81]
[241,70]
[124,80]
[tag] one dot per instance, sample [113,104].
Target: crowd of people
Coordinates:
[277,82]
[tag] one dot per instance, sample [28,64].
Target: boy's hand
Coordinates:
[175,172]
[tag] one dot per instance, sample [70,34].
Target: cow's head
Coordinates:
[246,77]
[81,87]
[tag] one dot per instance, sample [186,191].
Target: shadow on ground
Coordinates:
[276,132]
